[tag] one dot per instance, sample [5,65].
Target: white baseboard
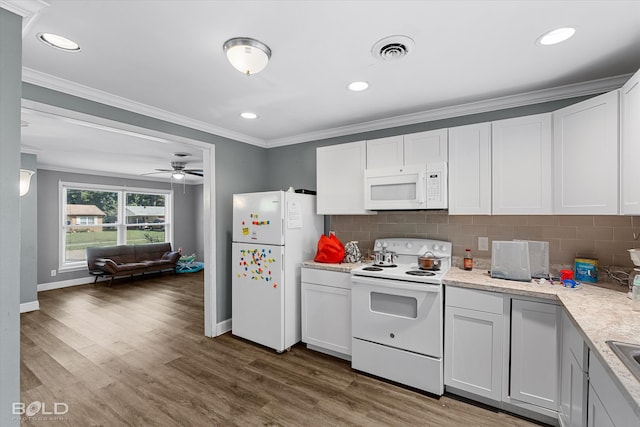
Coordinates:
[26,307]
[223,327]
[65,284]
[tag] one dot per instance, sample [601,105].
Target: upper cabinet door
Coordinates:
[426,147]
[340,178]
[586,170]
[630,146]
[521,165]
[385,152]
[470,169]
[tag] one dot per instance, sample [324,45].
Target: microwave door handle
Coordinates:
[422,181]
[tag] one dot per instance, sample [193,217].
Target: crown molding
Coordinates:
[512,101]
[61,85]
[28,9]
[24,8]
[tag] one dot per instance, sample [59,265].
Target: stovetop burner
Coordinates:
[372,268]
[384,265]
[424,273]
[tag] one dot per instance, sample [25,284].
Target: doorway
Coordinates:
[122,130]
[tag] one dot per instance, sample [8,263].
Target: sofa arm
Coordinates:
[107,265]
[171,256]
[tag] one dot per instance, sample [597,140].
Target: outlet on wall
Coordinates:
[483,243]
[53,273]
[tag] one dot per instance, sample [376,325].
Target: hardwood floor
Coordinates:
[134,354]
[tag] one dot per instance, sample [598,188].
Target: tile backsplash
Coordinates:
[605,237]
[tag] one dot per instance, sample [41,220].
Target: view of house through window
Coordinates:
[105,216]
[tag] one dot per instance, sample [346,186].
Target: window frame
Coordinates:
[120,225]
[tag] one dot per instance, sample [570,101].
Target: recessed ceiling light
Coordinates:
[556,36]
[358,86]
[58,42]
[248,115]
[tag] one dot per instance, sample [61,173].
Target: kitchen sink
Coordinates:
[629,354]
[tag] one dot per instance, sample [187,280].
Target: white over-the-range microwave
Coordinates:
[406,187]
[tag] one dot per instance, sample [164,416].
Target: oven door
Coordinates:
[398,314]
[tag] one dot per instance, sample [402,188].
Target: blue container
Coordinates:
[586,270]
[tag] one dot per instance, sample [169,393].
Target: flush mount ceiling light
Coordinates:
[556,36]
[249,56]
[58,42]
[248,115]
[358,86]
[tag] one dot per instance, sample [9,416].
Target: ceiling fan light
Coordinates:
[249,56]
[178,175]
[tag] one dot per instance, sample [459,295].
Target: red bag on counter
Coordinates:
[330,250]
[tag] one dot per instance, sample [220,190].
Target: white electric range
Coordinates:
[397,315]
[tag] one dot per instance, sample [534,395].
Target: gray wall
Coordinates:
[29,234]
[198,211]
[10,75]
[239,168]
[295,165]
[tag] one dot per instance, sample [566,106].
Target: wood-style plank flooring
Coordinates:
[134,354]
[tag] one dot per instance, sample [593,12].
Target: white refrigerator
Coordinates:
[273,233]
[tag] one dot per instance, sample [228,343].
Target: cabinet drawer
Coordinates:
[325,277]
[489,302]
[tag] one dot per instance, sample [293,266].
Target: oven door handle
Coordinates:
[395,284]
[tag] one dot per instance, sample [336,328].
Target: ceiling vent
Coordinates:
[392,47]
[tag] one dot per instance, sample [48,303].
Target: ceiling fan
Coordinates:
[178,171]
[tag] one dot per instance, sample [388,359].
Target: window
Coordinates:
[95,215]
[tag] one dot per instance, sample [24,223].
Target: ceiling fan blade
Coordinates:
[197,172]
[154,173]
[165,170]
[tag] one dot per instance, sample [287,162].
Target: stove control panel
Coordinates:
[417,247]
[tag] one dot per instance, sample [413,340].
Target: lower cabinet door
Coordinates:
[597,415]
[326,317]
[534,353]
[573,389]
[473,351]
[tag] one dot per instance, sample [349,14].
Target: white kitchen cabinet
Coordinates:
[586,164]
[534,363]
[473,342]
[411,149]
[608,406]
[326,311]
[340,179]
[573,376]
[521,165]
[432,146]
[597,416]
[470,169]
[630,146]
[385,152]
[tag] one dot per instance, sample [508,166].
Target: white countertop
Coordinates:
[602,311]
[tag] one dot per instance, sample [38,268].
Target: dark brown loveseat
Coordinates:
[127,260]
